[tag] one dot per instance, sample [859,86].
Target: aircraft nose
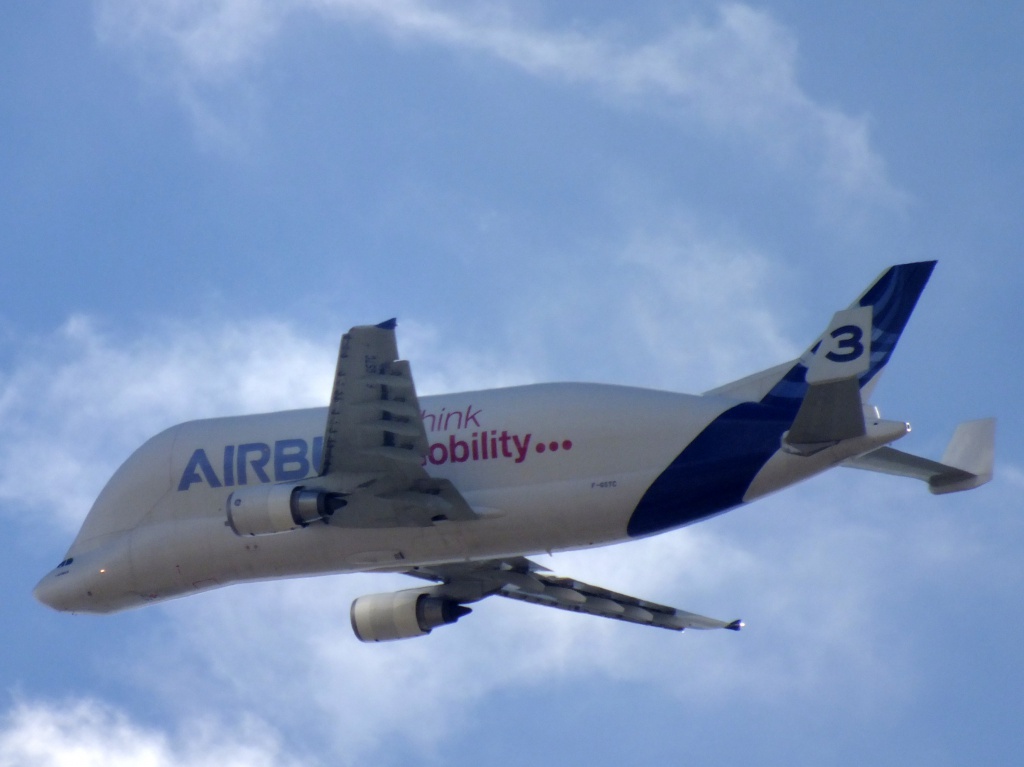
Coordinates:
[97,581]
[58,590]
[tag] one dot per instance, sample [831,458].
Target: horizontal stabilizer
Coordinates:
[966,464]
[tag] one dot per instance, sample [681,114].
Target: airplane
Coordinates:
[459,490]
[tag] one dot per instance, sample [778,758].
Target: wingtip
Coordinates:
[736,625]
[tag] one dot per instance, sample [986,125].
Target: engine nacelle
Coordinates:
[265,509]
[402,615]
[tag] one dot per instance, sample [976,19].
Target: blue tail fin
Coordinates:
[892,297]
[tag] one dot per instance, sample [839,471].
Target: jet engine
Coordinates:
[402,615]
[265,509]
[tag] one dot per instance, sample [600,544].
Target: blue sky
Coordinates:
[198,198]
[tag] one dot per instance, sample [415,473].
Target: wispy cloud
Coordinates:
[689,285]
[733,71]
[77,401]
[203,52]
[667,303]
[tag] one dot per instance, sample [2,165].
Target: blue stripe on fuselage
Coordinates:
[713,472]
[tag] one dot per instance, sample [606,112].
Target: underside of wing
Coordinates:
[522,579]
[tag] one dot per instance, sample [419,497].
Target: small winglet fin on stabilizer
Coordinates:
[966,464]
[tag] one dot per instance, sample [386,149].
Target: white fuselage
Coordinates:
[546,467]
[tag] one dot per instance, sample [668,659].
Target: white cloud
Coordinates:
[709,309]
[89,733]
[79,401]
[440,367]
[734,72]
[668,304]
[202,52]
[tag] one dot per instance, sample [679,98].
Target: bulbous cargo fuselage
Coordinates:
[547,467]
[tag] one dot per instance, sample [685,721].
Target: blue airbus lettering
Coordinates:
[286,460]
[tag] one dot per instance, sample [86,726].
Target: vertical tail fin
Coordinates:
[892,298]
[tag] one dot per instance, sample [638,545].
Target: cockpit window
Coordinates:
[66,562]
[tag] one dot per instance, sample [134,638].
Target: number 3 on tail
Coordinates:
[849,347]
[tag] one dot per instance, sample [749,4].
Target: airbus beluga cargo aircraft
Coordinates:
[458,490]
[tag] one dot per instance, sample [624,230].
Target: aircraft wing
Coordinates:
[373,420]
[519,578]
[375,442]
